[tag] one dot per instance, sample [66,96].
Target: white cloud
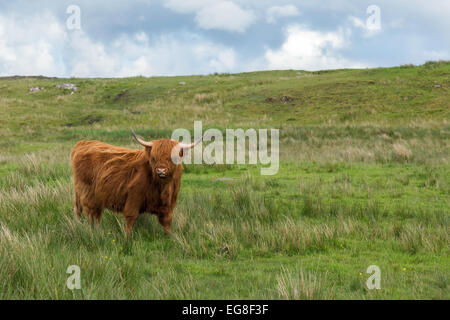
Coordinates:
[357,22]
[86,58]
[215,14]
[310,50]
[224,15]
[27,46]
[368,31]
[275,12]
[31,47]
[187,6]
[170,55]
[141,37]
[166,55]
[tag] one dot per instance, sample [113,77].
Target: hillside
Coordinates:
[363,179]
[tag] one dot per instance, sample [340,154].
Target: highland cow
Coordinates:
[128,181]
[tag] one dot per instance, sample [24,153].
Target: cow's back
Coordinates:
[104,171]
[88,157]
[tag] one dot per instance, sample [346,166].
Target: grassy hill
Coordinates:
[364,179]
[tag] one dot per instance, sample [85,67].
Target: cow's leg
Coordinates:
[130,222]
[165,219]
[98,215]
[77,208]
[91,209]
[131,213]
[94,213]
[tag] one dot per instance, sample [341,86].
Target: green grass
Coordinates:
[364,179]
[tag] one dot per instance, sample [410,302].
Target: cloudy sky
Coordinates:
[111,38]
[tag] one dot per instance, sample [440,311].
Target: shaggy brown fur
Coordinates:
[125,180]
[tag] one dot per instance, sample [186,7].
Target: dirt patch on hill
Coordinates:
[121,96]
[89,119]
[276,99]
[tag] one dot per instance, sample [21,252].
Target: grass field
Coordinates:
[364,180]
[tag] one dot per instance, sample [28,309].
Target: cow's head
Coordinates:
[165,155]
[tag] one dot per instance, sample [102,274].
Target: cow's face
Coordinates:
[160,158]
[165,155]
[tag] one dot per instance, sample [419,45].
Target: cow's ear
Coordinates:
[184,152]
[178,154]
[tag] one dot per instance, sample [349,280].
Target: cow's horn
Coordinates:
[191,145]
[142,142]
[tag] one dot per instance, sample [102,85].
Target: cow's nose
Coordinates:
[161,172]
